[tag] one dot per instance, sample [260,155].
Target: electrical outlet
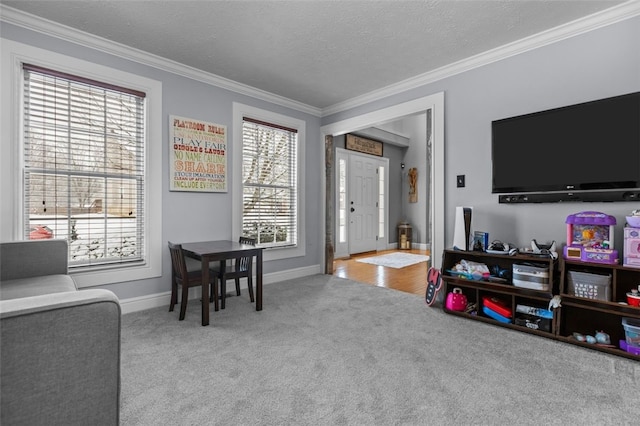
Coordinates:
[460,181]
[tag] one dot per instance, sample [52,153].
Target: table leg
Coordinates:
[223,283]
[259,281]
[205,291]
[216,305]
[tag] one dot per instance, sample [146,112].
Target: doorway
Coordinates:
[361,203]
[434,160]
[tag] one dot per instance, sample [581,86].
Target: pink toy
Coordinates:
[590,238]
[456,300]
[631,247]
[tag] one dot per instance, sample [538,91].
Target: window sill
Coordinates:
[85,278]
[277,253]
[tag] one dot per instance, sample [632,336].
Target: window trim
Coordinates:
[14,54]
[239,112]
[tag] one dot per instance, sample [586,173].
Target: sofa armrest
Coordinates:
[33,258]
[60,359]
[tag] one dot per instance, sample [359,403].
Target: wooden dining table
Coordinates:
[222,250]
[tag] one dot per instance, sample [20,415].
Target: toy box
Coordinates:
[533,317]
[590,238]
[533,322]
[631,247]
[632,242]
[532,310]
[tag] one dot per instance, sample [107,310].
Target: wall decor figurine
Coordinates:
[413,185]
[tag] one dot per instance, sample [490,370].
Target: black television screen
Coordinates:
[588,146]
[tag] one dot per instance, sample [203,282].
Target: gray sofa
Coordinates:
[59,346]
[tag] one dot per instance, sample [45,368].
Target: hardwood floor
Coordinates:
[410,279]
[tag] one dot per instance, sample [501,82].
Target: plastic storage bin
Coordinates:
[534,277]
[632,331]
[590,286]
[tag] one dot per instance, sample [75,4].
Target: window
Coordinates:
[269,183]
[268,180]
[83,166]
[82,153]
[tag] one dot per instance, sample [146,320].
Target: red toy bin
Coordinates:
[497,305]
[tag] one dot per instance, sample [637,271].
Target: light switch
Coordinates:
[460,181]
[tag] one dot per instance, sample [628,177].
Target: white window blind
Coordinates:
[84,166]
[269,179]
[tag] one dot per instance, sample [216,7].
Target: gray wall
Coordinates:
[604,62]
[601,63]
[195,216]
[416,156]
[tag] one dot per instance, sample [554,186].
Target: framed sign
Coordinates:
[198,155]
[368,146]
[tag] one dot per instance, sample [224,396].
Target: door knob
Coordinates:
[352,210]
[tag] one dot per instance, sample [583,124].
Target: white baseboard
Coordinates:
[135,304]
[418,246]
[142,303]
[421,246]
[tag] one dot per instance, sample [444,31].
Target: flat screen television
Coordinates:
[584,147]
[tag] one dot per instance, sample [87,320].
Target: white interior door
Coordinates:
[363,203]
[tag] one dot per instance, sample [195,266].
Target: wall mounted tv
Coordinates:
[583,152]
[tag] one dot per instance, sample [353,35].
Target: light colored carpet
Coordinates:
[395,260]
[329,351]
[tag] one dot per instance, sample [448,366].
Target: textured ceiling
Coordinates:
[319,53]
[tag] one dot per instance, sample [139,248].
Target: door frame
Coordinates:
[434,102]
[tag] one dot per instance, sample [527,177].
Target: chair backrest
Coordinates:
[244,263]
[178,264]
[247,240]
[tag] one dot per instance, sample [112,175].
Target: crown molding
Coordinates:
[610,16]
[63,32]
[592,22]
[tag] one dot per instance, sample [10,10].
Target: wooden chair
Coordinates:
[187,274]
[243,267]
